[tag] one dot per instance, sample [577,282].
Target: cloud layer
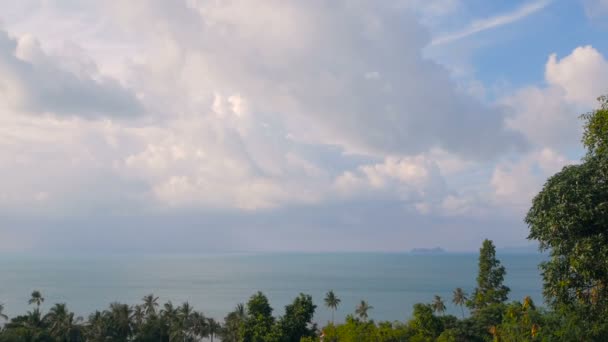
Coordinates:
[307,116]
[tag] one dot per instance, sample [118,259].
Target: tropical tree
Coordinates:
[200,326]
[332,302]
[490,289]
[120,321]
[362,310]
[460,298]
[213,328]
[438,305]
[569,219]
[2,314]
[95,328]
[150,305]
[62,324]
[296,323]
[232,324]
[259,322]
[36,298]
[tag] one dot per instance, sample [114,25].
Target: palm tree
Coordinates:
[240,311]
[438,305]
[150,304]
[184,313]
[213,328]
[96,327]
[36,299]
[138,316]
[460,298]
[62,324]
[332,302]
[362,310]
[199,324]
[120,319]
[2,314]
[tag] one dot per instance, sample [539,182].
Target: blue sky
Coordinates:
[195,126]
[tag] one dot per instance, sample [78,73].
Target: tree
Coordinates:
[490,289]
[232,324]
[362,310]
[460,298]
[438,305]
[297,321]
[259,320]
[36,298]
[213,328]
[150,305]
[569,218]
[425,325]
[120,321]
[2,314]
[62,325]
[332,302]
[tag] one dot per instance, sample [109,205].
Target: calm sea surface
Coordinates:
[214,284]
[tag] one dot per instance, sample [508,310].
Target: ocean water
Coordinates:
[214,284]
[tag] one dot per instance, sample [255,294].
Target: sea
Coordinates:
[215,284]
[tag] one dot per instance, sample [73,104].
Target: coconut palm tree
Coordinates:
[36,299]
[438,305]
[240,311]
[213,327]
[332,302]
[460,298]
[362,310]
[2,314]
[62,324]
[150,305]
[138,316]
[96,327]
[199,325]
[120,320]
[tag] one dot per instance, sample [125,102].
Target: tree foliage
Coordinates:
[569,218]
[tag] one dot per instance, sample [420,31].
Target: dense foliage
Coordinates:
[568,217]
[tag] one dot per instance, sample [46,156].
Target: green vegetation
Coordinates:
[569,218]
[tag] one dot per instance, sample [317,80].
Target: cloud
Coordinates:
[596,9]
[32,81]
[312,66]
[583,74]
[548,116]
[492,22]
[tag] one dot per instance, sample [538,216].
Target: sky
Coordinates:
[205,126]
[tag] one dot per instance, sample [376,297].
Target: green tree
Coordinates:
[362,310]
[332,302]
[297,321]
[120,321]
[233,323]
[425,326]
[62,324]
[2,314]
[150,304]
[459,298]
[490,289]
[36,298]
[213,328]
[569,218]
[259,320]
[438,305]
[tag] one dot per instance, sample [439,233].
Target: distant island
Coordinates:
[436,250]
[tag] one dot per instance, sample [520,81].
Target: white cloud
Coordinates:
[548,116]
[310,66]
[583,75]
[492,22]
[33,81]
[516,182]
